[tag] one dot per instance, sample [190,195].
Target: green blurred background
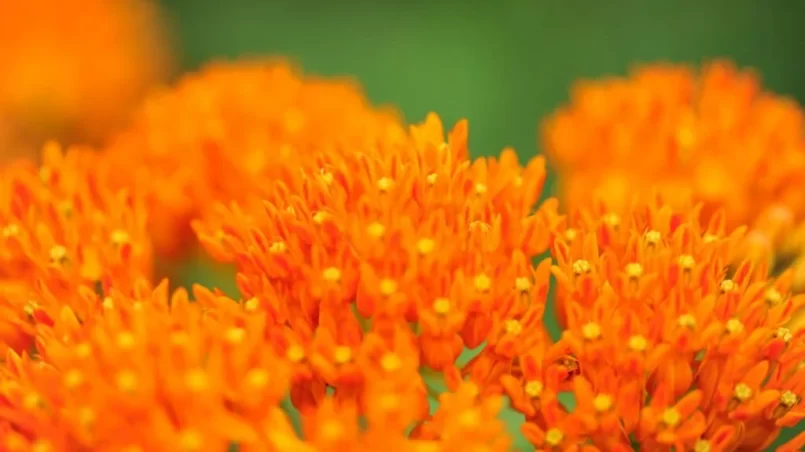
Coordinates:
[501,65]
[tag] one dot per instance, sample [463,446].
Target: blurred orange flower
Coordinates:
[73,70]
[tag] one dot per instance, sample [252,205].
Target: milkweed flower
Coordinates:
[63,232]
[715,137]
[74,70]
[220,133]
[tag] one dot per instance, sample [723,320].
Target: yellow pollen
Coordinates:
[784,334]
[342,354]
[709,238]
[331,274]
[638,343]
[277,247]
[190,440]
[634,270]
[425,246]
[327,177]
[119,237]
[788,399]
[513,327]
[773,297]
[257,378]
[591,331]
[571,234]
[522,284]
[197,380]
[554,437]
[480,189]
[319,217]
[734,326]
[251,304]
[701,446]
[388,287]
[581,266]
[295,353]
[10,230]
[482,283]
[441,306]
[533,388]
[432,178]
[58,254]
[108,303]
[671,417]
[126,381]
[385,184]
[32,401]
[742,392]
[687,262]
[612,220]
[376,230]
[126,340]
[728,285]
[235,335]
[73,378]
[479,225]
[30,307]
[653,237]
[82,350]
[603,402]
[686,321]
[390,362]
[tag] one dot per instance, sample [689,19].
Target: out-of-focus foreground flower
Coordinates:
[221,133]
[74,70]
[367,275]
[714,136]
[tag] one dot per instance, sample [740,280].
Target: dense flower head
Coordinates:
[220,133]
[713,136]
[74,69]
[392,297]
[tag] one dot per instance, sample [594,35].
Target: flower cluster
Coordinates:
[392,293]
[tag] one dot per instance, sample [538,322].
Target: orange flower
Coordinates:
[666,128]
[74,70]
[207,140]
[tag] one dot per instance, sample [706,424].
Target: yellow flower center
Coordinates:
[32,401]
[235,335]
[108,303]
[728,285]
[441,306]
[196,380]
[480,189]
[425,246]
[376,230]
[571,235]
[331,274]
[603,402]
[30,307]
[634,270]
[671,417]
[638,343]
[591,331]
[251,304]
[320,217]
[277,247]
[581,266]
[342,354]
[10,230]
[58,254]
[533,388]
[119,237]
[687,321]
[513,327]
[742,392]
[125,340]
[734,326]
[327,177]
[522,284]
[391,362]
[612,220]
[384,184]
[709,238]
[653,237]
[554,437]
[126,381]
[784,334]
[388,287]
[788,399]
[73,378]
[470,418]
[702,446]
[773,297]
[482,283]
[432,178]
[257,378]
[295,353]
[686,262]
